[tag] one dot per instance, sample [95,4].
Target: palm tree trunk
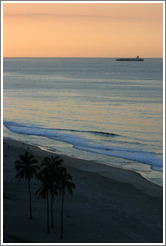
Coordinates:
[30,203]
[52,215]
[48,216]
[62,214]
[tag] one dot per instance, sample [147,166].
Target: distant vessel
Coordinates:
[130,59]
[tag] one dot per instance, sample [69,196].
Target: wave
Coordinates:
[82,140]
[134,155]
[105,134]
[13,126]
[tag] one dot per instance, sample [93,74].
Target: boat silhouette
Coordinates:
[130,59]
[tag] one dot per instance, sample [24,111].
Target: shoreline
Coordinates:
[109,205]
[143,172]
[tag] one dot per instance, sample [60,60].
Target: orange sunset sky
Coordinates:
[82,29]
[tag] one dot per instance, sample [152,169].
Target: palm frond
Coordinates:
[20,175]
[41,192]
[26,166]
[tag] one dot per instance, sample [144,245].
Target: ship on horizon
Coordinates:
[130,59]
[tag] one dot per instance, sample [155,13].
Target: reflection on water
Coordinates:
[87,95]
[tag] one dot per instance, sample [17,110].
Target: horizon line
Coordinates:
[77,57]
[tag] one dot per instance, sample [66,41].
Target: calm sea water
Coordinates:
[91,108]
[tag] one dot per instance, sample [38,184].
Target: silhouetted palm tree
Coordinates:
[64,184]
[27,168]
[51,166]
[43,192]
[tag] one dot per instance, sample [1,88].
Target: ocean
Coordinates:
[89,108]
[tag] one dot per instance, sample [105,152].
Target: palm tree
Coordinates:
[43,192]
[51,166]
[27,168]
[64,183]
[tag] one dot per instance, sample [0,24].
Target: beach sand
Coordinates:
[109,205]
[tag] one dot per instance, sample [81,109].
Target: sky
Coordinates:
[82,29]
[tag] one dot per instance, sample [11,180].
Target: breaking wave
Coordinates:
[84,141]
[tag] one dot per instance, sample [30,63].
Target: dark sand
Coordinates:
[109,205]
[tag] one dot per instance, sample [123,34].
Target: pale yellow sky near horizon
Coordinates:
[82,29]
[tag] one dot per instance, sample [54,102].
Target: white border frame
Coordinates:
[1,123]
[8,2]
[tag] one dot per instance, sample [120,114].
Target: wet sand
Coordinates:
[109,205]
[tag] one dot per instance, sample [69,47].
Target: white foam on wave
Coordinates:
[139,156]
[87,144]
